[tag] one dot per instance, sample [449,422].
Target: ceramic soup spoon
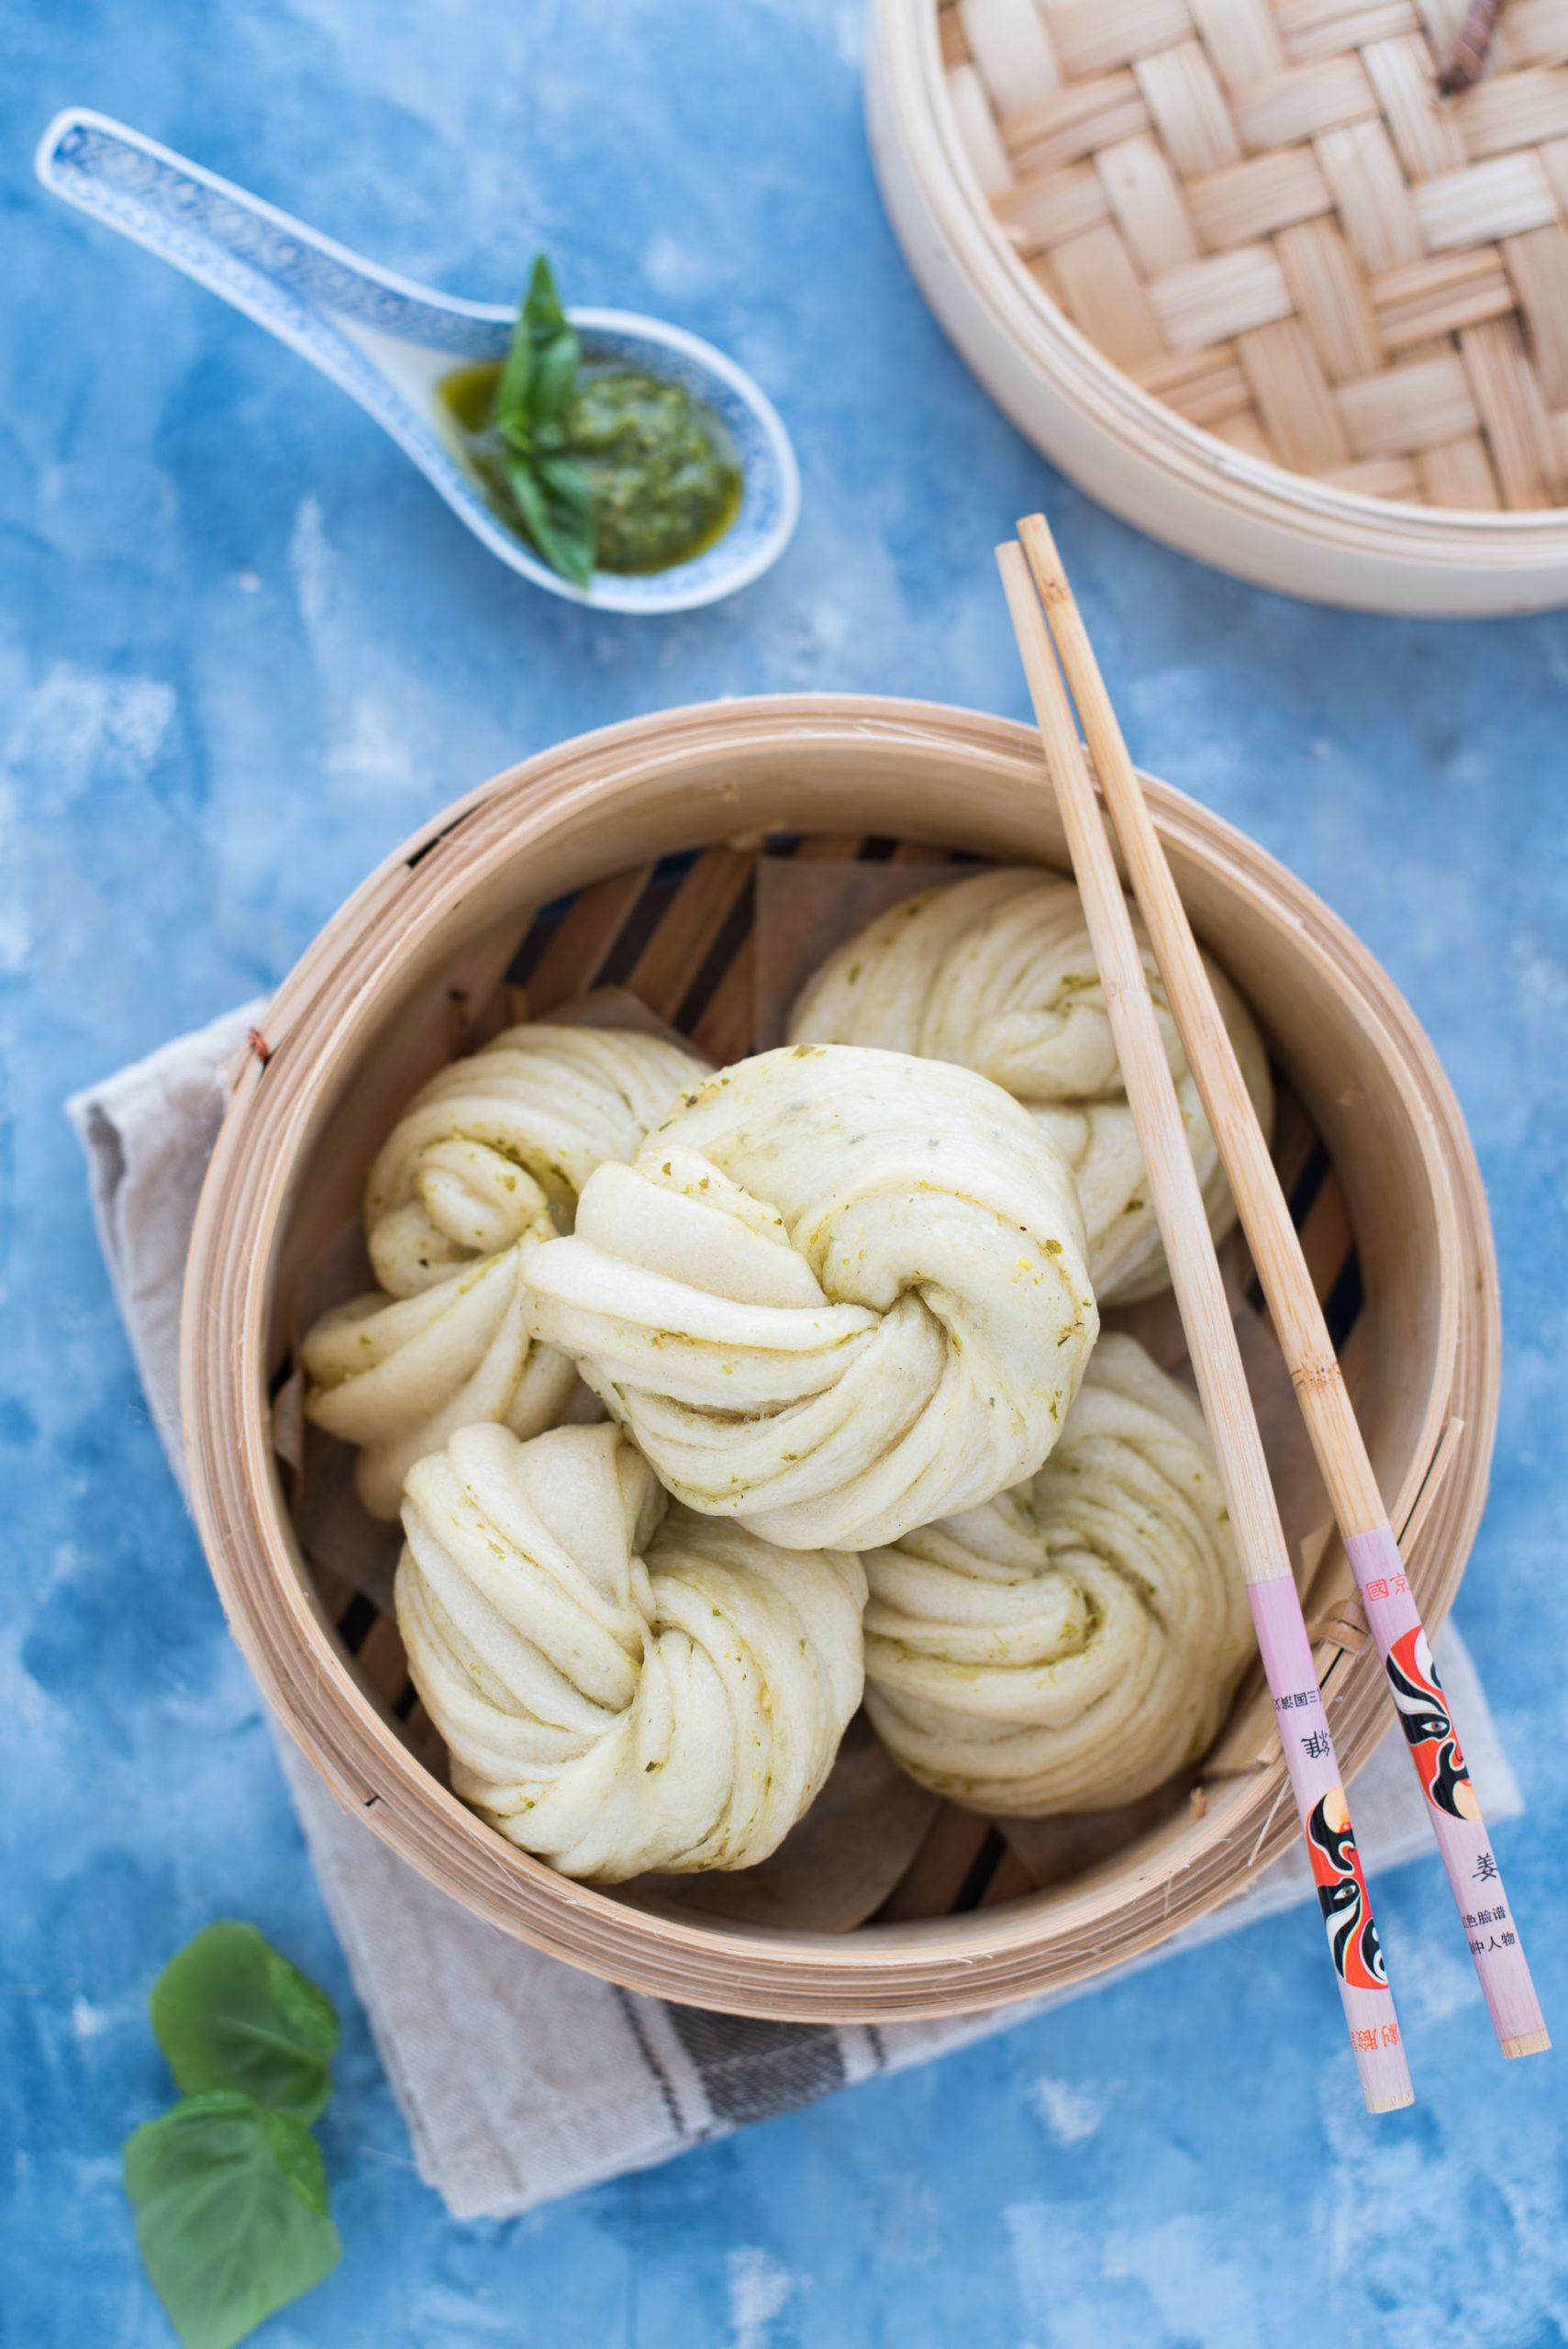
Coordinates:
[389,342]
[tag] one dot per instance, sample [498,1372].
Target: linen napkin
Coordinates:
[521,2078]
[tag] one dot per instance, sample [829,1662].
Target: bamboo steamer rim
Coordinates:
[315,1031]
[1130,450]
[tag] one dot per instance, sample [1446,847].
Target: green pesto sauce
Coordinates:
[665,479]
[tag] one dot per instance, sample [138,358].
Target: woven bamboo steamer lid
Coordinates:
[1242,272]
[367,1015]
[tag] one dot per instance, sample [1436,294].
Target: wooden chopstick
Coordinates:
[1282,1269]
[1222,1386]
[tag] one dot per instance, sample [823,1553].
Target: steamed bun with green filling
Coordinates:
[998,974]
[482,1167]
[621,1687]
[838,1292]
[1079,1638]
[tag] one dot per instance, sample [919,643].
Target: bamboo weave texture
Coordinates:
[1264,213]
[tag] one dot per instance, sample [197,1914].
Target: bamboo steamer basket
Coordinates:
[561,873]
[1243,274]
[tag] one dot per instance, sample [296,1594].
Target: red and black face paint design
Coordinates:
[1423,1716]
[1341,1894]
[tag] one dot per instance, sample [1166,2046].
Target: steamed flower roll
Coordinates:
[484,1166]
[838,1292]
[998,974]
[622,1685]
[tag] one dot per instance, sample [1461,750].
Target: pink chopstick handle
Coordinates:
[1343,1895]
[1452,1806]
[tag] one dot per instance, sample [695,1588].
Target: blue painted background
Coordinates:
[244,652]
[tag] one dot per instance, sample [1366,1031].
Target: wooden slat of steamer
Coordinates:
[1331,297]
[1554,164]
[585,934]
[1511,110]
[1292,397]
[1410,407]
[977,130]
[1011,50]
[1243,45]
[1373,200]
[1214,300]
[1093,36]
[1517,430]
[383,1663]
[1294,1139]
[1533,32]
[1252,199]
[1537,269]
[1011,1881]
[1244,431]
[1559,423]
[1189,110]
[1206,386]
[1430,298]
[1427,138]
[1313,29]
[1040,213]
[1303,102]
[1326,1237]
[1460,473]
[1145,194]
[723,1029]
[1502,198]
[1072,123]
[1102,294]
[669,963]
[941,1868]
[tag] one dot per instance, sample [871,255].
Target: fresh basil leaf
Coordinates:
[555,374]
[542,312]
[231,2012]
[511,404]
[568,485]
[231,2217]
[556,503]
[540,372]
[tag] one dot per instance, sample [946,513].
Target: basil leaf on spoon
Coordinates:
[556,503]
[535,390]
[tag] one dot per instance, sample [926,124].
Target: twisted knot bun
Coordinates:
[1071,1644]
[616,1697]
[998,974]
[488,1147]
[838,1293]
[463,1193]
